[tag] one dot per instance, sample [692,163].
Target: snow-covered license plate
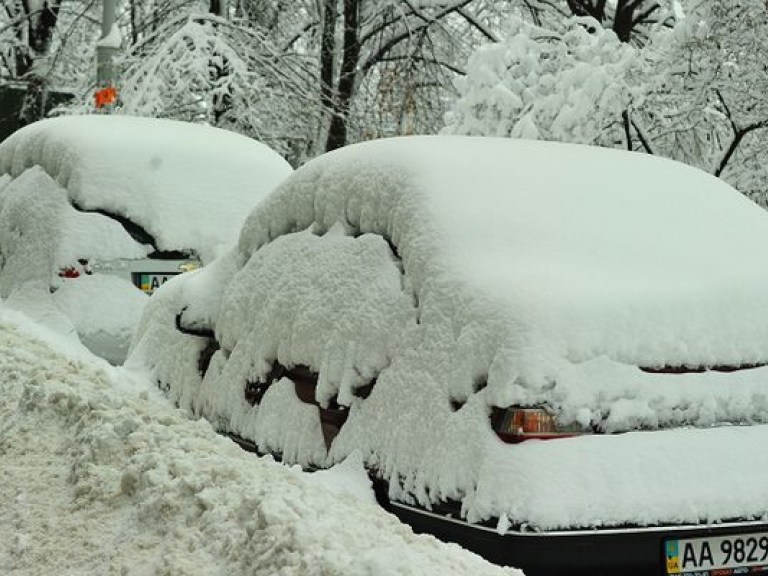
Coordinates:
[718,555]
[149,282]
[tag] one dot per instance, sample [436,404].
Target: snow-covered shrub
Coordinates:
[571,86]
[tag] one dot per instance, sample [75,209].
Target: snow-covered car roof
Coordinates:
[456,275]
[578,251]
[190,186]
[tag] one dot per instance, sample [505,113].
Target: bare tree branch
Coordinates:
[397,39]
[478,25]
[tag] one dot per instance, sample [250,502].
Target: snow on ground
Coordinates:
[190,186]
[105,310]
[529,273]
[101,475]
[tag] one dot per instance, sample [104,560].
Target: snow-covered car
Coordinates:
[556,355]
[97,211]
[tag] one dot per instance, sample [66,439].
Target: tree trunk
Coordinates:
[337,132]
[626,18]
[217,7]
[587,8]
[738,136]
[222,104]
[628,14]
[40,28]
[39,32]
[327,53]
[135,17]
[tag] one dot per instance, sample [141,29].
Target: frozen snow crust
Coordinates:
[101,476]
[467,273]
[188,185]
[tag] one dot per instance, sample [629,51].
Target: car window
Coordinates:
[141,235]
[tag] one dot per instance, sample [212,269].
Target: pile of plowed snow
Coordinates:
[101,475]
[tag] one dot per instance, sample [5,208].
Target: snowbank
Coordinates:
[101,475]
[519,272]
[190,186]
[104,310]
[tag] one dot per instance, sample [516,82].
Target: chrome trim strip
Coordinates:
[583,532]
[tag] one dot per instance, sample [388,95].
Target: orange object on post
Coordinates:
[106,96]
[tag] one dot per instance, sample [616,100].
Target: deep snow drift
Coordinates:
[467,273]
[101,476]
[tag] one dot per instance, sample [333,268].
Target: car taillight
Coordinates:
[515,425]
[69,272]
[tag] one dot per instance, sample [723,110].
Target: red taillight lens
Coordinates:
[515,425]
[69,272]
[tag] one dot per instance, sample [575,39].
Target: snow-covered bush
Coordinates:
[704,98]
[571,86]
[693,92]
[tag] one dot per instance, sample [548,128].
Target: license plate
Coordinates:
[149,282]
[718,555]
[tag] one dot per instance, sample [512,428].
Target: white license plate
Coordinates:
[718,555]
[150,281]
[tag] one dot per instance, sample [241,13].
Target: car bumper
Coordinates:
[147,274]
[624,551]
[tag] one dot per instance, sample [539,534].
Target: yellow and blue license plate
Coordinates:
[149,282]
[727,555]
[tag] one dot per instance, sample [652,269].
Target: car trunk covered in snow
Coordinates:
[448,277]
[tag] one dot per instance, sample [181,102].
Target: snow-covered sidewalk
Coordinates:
[100,475]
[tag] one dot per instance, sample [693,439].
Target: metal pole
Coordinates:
[106,49]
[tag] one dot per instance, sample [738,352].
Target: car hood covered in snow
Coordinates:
[190,186]
[534,273]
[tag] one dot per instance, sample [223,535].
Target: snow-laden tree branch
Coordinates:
[694,92]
